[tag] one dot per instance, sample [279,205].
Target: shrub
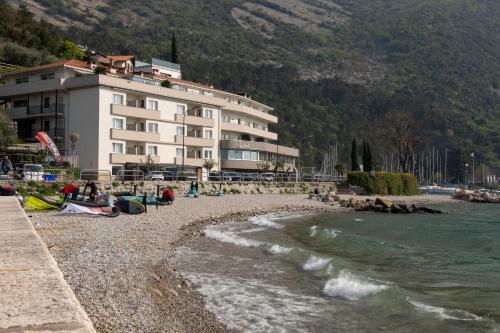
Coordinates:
[385,183]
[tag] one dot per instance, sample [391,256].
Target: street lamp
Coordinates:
[472,155]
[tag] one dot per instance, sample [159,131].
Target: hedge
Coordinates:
[385,183]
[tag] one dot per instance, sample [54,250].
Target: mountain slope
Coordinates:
[336,67]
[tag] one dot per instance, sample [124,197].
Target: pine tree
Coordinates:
[369,158]
[174,57]
[363,156]
[354,157]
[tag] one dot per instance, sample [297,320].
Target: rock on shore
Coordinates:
[477,196]
[386,206]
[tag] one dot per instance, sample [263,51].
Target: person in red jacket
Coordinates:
[70,189]
[168,196]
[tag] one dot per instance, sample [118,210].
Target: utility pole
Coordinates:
[472,169]
[445,164]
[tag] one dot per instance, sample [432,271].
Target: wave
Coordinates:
[330,233]
[278,249]
[445,313]
[264,221]
[251,305]
[350,287]
[314,263]
[231,237]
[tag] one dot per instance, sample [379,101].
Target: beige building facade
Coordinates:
[128,120]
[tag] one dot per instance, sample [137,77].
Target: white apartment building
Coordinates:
[126,119]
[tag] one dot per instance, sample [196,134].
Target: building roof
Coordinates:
[121,57]
[165,64]
[57,64]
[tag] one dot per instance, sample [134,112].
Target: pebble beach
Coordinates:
[118,267]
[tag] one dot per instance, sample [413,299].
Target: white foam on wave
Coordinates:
[358,220]
[330,269]
[231,237]
[250,305]
[265,221]
[350,287]
[249,231]
[445,313]
[314,263]
[278,249]
[330,233]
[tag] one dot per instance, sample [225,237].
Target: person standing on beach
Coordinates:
[6,165]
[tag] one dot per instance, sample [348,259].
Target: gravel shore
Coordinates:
[118,268]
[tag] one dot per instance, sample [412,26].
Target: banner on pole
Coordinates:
[48,144]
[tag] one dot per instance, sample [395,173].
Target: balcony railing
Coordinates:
[192,141]
[259,146]
[50,132]
[38,109]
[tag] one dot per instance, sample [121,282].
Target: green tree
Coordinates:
[209,165]
[175,58]
[8,133]
[70,50]
[354,157]
[166,84]
[100,70]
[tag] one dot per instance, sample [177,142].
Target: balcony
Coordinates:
[195,162]
[249,165]
[132,111]
[119,134]
[258,146]
[249,130]
[39,110]
[132,158]
[17,113]
[251,112]
[192,141]
[193,120]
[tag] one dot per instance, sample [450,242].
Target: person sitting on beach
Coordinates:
[168,196]
[194,186]
[70,189]
[93,191]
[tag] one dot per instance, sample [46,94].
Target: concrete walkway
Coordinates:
[33,294]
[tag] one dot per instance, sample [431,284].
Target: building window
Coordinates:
[179,152]
[118,148]
[22,80]
[239,121]
[181,109]
[153,150]
[46,102]
[153,105]
[208,134]
[153,127]
[226,119]
[46,125]
[207,113]
[207,154]
[47,76]
[245,155]
[117,123]
[118,99]
[180,130]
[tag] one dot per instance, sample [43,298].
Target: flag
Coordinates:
[47,143]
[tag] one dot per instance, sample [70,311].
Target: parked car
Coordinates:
[187,176]
[156,175]
[31,172]
[267,176]
[250,177]
[168,175]
[232,176]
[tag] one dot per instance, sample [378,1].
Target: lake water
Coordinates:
[353,272]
